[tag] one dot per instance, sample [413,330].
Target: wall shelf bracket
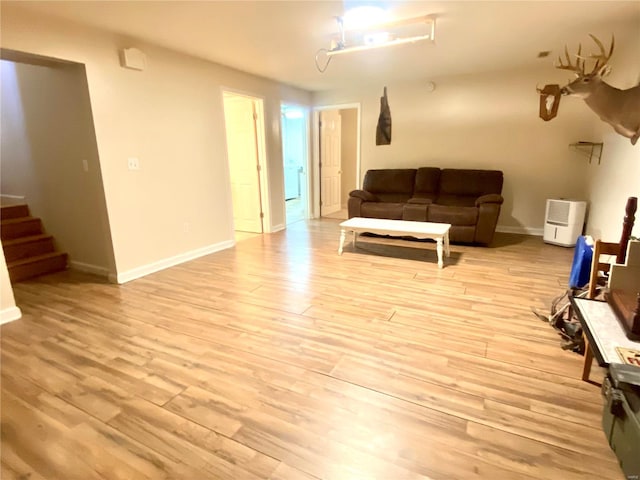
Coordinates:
[589,149]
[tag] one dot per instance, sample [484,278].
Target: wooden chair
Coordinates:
[599,266]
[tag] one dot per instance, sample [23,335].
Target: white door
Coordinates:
[330,167]
[242,152]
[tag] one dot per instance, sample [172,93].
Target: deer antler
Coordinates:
[578,67]
[602,56]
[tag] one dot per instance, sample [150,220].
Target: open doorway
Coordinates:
[336,158]
[244,123]
[52,199]
[295,158]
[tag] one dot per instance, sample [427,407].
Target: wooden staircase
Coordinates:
[29,251]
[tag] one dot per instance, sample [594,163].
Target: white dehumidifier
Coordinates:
[564,220]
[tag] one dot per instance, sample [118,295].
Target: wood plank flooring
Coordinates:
[278,359]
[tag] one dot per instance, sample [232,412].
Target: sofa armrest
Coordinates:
[489,198]
[420,201]
[488,214]
[363,195]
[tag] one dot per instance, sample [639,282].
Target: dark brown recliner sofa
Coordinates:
[469,200]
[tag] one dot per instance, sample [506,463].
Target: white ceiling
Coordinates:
[279,39]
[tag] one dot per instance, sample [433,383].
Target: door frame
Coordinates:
[263,175]
[315,139]
[307,144]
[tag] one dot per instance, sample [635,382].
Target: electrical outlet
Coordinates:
[85,165]
[134,163]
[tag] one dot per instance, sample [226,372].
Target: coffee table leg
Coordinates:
[446,244]
[439,250]
[343,234]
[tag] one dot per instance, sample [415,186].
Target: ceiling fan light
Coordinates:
[377,38]
[363,16]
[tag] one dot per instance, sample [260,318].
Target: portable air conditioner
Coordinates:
[564,220]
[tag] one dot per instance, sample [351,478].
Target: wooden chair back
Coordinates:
[619,250]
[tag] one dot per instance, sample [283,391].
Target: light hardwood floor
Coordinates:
[279,359]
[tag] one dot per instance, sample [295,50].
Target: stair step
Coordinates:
[24,247]
[36,266]
[14,211]
[20,227]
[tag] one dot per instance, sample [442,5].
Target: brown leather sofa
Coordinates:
[469,200]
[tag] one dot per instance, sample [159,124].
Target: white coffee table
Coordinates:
[435,231]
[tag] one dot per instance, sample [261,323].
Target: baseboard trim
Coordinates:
[154,267]
[521,230]
[277,228]
[12,199]
[90,268]
[9,315]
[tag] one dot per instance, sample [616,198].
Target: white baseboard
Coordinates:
[521,230]
[277,228]
[89,268]
[9,315]
[144,270]
[12,199]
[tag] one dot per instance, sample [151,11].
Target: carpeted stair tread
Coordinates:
[13,221]
[14,211]
[37,258]
[29,239]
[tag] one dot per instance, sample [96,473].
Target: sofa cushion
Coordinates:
[454,215]
[363,195]
[420,201]
[392,211]
[469,182]
[390,181]
[427,182]
[456,200]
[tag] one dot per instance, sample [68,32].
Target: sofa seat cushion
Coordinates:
[391,211]
[459,216]
[393,197]
[456,200]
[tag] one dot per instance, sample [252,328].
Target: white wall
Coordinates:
[485,121]
[170,116]
[348,140]
[8,309]
[617,177]
[47,132]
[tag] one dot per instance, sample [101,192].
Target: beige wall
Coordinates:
[481,121]
[349,139]
[618,175]
[47,132]
[8,310]
[169,116]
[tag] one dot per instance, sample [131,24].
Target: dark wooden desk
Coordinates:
[602,331]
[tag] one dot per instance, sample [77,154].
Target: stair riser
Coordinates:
[14,211]
[31,249]
[22,229]
[35,269]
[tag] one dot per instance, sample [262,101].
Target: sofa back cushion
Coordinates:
[461,187]
[427,182]
[390,185]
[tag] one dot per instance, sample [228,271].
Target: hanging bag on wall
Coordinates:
[383,131]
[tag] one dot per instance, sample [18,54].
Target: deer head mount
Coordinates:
[619,108]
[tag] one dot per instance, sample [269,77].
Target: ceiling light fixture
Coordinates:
[368,36]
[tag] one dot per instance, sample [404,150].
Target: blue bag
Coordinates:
[581,265]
